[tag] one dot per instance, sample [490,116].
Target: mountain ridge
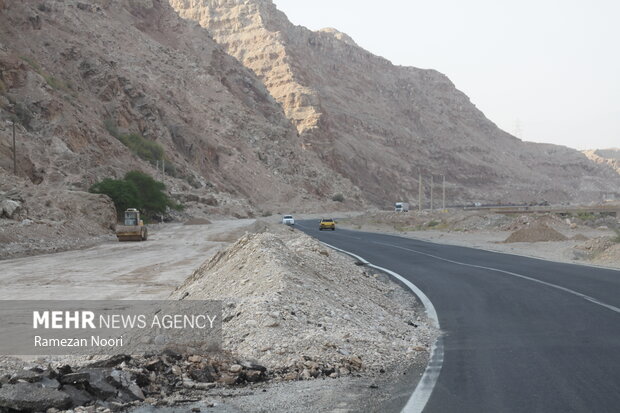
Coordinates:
[379,124]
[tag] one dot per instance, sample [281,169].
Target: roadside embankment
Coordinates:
[306,311]
[580,238]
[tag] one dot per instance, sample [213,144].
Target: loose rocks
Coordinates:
[29,397]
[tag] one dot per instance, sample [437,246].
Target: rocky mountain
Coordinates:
[609,157]
[81,78]
[380,125]
[251,113]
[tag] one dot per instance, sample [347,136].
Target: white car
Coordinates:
[288,220]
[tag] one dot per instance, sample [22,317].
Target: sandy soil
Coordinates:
[114,270]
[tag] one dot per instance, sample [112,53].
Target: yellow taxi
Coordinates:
[327,223]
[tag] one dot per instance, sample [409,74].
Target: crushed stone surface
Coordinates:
[289,300]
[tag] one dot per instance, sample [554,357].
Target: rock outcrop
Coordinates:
[609,157]
[292,118]
[379,124]
[79,76]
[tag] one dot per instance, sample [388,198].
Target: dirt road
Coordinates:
[114,270]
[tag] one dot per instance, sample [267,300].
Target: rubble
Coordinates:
[305,312]
[28,397]
[9,208]
[121,381]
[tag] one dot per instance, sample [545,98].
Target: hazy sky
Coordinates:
[546,70]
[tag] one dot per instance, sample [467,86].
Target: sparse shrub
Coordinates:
[586,216]
[23,114]
[171,169]
[2,87]
[55,83]
[136,190]
[338,198]
[433,223]
[124,194]
[145,149]
[150,192]
[32,63]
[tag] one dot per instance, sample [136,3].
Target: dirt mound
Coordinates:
[197,221]
[537,232]
[294,305]
[611,255]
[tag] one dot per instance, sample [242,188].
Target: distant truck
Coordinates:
[401,207]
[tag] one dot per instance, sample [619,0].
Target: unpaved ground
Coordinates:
[384,394]
[593,244]
[115,270]
[151,270]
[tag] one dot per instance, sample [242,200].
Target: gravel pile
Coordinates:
[305,311]
[600,250]
[610,256]
[536,232]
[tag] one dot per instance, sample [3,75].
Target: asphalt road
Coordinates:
[519,334]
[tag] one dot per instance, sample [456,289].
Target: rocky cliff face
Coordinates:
[293,118]
[379,124]
[77,75]
[609,157]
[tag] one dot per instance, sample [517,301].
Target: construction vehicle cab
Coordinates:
[133,228]
[132,217]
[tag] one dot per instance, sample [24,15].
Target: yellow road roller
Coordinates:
[133,228]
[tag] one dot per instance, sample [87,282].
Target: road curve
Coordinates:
[519,334]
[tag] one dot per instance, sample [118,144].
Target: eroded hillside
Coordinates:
[379,124]
[79,77]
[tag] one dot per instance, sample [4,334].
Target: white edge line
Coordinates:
[514,274]
[422,393]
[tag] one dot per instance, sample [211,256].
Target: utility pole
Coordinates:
[431,192]
[420,193]
[443,195]
[163,178]
[14,151]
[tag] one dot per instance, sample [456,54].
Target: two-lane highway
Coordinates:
[519,334]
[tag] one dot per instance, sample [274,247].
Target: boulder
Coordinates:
[29,397]
[79,397]
[26,375]
[203,375]
[9,208]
